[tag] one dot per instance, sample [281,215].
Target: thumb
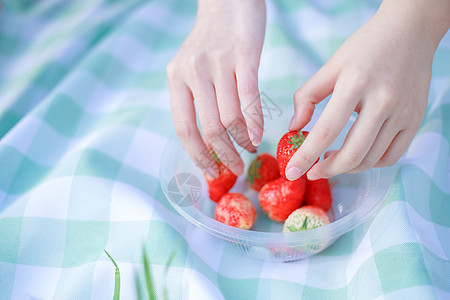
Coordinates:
[312,92]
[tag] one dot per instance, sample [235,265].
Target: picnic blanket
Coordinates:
[85,116]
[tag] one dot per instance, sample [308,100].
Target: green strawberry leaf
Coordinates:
[297,140]
[253,171]
[304,224]
[292,228]
[214,155]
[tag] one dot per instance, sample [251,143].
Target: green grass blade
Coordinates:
[116,280]
[137,280]
[172,256]
[148,278]
[168,264]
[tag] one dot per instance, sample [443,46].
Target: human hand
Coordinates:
[383,73]
[217,65]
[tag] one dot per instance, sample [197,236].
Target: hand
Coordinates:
[217,66]
[383,73]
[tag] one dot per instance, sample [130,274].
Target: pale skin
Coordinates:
[382,72]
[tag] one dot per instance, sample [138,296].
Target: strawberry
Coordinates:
[287,146]
[221,184]
[236,210]
[279,198]
[262,170]
[307,217]
[318,193]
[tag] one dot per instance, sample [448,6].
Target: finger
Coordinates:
[317,88]
[384,138]
[396,149]
[213,130]
[247,85]
[329,153]
[331,122]
[230,109]
[183,114]
[357,144]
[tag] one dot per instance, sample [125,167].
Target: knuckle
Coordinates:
[354,81]
[248,89]
[212,130]
[366,164]
[299,94]
[387,162]
[354,87]
[197,62]
[183,130]
[386,99]
[351,159]
[324,133]
[228,118]
[384,105]
[306,159]
[220,56]
[172,69]
[387,92]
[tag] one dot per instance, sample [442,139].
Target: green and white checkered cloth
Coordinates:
[85,116]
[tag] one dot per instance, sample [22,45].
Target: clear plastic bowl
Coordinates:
[356,199]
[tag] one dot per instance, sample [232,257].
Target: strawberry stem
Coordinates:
[297,140]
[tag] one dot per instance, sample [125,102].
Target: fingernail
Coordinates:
[291,124]
[253,150]
[312,176]
[293,173]
[256,136]
[238,170]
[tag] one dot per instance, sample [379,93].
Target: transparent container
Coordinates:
[356,199]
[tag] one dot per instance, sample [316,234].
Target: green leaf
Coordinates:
[253,171]
[214,155]
[297,140]
[148,278]
[292,228]
[166,269]
[172,256]
[304,224]
[137,280]
[116,280]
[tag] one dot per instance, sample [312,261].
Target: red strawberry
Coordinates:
[318,193]
[236,210]
[262,170]
[222,183]
[287,146]
[307,217]
[279,198]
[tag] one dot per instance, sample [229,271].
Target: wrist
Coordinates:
[427,19]
[218,6]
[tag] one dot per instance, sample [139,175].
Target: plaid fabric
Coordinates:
[85,115]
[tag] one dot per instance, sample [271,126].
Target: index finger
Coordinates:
[330,124]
